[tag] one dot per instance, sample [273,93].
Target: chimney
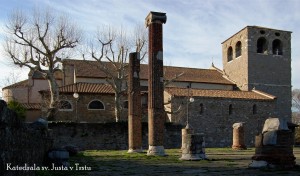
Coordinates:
[156,118]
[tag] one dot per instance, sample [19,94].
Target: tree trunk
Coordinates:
[54,97]
[118,106]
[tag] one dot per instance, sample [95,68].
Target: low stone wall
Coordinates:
[106,136]
[20,144]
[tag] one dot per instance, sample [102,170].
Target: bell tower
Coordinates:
[260,58]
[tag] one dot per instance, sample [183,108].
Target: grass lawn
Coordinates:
[221,161]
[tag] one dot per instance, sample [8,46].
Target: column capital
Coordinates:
[155,17]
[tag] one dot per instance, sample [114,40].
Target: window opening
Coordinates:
[96,105]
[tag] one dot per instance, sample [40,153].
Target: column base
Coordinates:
[135,151]
[156,151]
[239,147]
[192,157]
[258,164]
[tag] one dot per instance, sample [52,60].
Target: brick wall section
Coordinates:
[216,122]
[107,136]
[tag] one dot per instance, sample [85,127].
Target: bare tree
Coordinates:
[111,51]
[295,105]
[296,99]
[40,42]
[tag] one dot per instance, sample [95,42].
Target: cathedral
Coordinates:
[254,84]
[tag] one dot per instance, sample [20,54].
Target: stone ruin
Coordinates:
[21,144]
[238,139]
[274,146]
[193,145]
[134,105]
[156,116]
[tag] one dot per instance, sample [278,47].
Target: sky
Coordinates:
[193,32]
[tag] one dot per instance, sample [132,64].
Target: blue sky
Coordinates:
[194,29]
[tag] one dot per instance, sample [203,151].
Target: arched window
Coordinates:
[254,109]
[262,45]
[96,105]
[229,54]
[230,109]
[65,105]
[201,108]
[277,47]
[238,49]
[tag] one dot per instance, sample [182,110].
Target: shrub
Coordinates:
[18,108]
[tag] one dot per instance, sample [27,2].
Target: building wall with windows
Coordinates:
[90,108]
[215,116]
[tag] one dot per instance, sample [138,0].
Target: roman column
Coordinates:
[134,105]
[156,118]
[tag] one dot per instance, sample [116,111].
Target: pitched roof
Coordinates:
[254,95]
[31,106]
[87,88]
[90,69]
[20,84]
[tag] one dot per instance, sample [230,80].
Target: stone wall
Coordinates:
[83,113]
[95,116]
[20,143]
[215,121]
[107,136]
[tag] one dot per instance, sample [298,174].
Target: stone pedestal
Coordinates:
[274,146]
[134,105]
[238,139]
[193,147]
[184,132]
[156,115]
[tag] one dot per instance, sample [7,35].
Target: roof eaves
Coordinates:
[272,97]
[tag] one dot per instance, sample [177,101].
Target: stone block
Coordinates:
[272,124]
[193,148]
[270,138]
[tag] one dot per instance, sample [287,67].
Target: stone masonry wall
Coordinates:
[20,143]
[86,115]
[107,136]
[216,122]
[237,68]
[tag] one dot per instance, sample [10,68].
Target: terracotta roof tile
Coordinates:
[219,93]
[90,69]
[31,105]
[20,84]
[87,88]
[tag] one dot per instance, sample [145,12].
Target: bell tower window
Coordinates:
[238,49]
[229,54]
[277,47]
[262,45]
